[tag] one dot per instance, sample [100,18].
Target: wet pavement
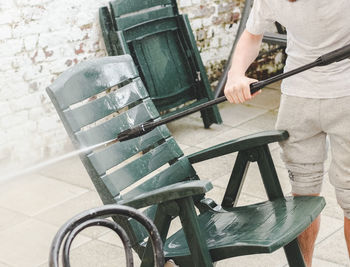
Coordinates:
[34,206]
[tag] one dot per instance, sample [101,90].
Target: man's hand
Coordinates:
[237,88]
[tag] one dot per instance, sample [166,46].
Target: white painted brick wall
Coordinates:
[39,39]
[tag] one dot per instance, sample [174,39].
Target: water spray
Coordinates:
[54,160]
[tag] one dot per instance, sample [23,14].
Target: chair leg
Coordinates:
[268,173]
[196,242]
[236,181]
[210,116]
[293,254]
[162,222]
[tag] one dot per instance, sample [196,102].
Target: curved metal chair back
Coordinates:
[96,217]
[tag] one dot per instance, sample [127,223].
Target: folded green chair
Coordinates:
[163,47]
[100,98]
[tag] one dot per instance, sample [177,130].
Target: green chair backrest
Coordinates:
[164,49]
[168,60]
[100,98]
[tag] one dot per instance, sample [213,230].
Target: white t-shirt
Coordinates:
[314,28]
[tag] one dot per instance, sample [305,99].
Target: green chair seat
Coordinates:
[258,228]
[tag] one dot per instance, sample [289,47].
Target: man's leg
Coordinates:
[307,239]
[304,154]
[336,123]
[347,233]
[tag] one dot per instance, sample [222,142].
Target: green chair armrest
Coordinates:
[242,143]
[167,193]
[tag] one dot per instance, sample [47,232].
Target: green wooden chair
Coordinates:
[163,47]
[100,98]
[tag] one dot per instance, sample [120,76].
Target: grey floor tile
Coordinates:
[328,227]
[214,168]
[333,249]
[98,253]
[59,214]
[111,238]
[182,146]
[323,263]
[262,122]
[245,199]
[217,195]
[28,243]
[188,131]
[71,171]
[234,115]
[2,264]
[276,259]
[9,218]
[33,194]
[267,99]
[253,184]
[228,135]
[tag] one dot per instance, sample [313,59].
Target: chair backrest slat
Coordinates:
[87,80]
[141,167]
[114,101]
[109,130]
[114,154]
[126,22]
[122,7]
[176,173]
[149,28]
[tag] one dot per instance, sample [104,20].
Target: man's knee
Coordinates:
[306,179]
[343,198]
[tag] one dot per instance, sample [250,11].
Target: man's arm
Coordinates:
[237,86]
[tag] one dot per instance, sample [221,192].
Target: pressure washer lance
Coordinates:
[334,56]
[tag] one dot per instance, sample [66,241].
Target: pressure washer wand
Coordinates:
[334,56]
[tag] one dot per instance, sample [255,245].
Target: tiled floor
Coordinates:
[33,207]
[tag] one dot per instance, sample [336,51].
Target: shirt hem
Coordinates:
[316,96]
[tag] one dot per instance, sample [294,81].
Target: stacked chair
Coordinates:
[98,99]
[163,47]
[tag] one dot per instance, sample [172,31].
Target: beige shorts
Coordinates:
[308,122]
